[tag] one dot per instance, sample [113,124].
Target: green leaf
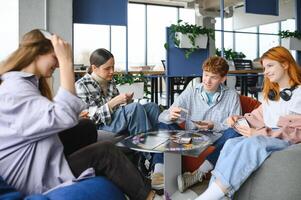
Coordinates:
[193,32]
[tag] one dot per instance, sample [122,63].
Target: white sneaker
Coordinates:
[188,179]
[157,181]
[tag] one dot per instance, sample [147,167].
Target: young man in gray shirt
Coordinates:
[202,105]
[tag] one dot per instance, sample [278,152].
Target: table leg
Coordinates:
[167,89]
[152,89]
[243,85]
[156,89]
[172,168]
[172,83]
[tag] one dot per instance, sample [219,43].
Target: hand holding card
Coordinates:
[204,124]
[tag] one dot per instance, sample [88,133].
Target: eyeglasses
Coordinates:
[46,34]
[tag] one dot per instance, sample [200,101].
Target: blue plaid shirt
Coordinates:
[92,94]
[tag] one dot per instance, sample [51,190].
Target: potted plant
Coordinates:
[230,55]
[189,36]
[132,83]
[291,40]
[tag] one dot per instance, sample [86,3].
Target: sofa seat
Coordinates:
[279,178]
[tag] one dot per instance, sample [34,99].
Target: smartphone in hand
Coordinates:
[243,122]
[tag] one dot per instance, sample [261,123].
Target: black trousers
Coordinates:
[83,151]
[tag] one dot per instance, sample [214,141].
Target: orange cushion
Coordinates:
[182,125]
[192,163]
[248,104]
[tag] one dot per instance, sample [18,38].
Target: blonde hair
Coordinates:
[32,45]
[216,65]
[284,57]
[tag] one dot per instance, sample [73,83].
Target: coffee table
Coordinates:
[169,143]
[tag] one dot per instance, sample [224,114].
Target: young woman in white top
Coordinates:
[273,126]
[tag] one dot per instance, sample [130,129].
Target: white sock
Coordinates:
[213,192]
[205,167]
[159,168]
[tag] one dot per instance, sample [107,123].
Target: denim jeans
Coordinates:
[241,156]
[228,134]
[134,118]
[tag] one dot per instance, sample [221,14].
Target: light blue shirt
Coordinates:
[192,100]
[210,97]
[31,154]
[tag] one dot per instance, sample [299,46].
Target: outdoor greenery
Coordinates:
[130,79]
[229,54]
[287,34]
[192,30]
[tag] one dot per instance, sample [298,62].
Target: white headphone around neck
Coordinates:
[216,97]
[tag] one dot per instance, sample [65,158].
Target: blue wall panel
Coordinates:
[178,65]
[107,12]
[264,7]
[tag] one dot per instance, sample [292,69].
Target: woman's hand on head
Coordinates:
[63,53]
[62,50]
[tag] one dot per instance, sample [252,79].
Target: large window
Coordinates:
[290,25]
[268,41]
[187,15]
[87,38]
[247,42]
[146,36]
[118,46]
[136,34]
[156,28]
[228,37]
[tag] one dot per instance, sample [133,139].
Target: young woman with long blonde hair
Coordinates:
[31,154]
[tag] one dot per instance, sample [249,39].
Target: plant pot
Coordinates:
[137,88]
[200,41]
[291,43]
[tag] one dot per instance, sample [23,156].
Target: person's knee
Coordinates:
[153,106]
[254,142]
[134,106]
[230,143]
[106,146]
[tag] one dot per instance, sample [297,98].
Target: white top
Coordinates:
[272,110]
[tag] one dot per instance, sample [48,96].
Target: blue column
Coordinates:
[298,25]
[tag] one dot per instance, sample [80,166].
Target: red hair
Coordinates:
[284,57]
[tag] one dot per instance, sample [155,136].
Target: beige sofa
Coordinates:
[279,178]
